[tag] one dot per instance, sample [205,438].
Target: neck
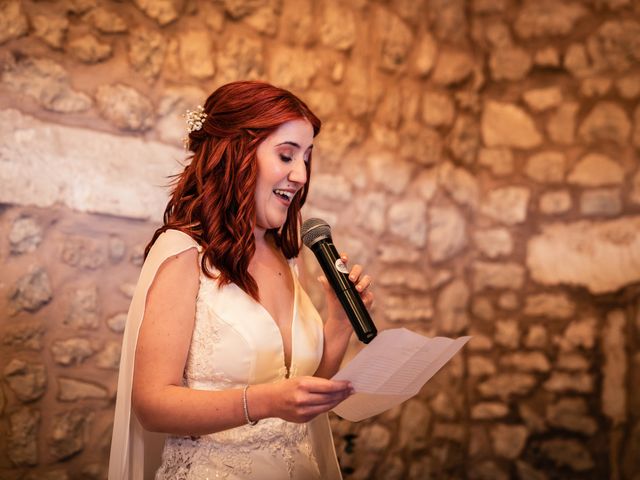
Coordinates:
[264,240]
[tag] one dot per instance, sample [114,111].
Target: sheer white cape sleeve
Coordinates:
[135,453]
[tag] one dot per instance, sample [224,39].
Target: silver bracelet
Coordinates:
[246,409]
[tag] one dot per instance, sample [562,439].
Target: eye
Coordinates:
[285,158]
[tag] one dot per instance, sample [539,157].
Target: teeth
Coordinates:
[284,193]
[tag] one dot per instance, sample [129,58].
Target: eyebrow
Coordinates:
[293,144]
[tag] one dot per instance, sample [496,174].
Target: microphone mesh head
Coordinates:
[314,229]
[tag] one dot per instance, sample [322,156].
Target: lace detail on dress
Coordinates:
[229,452]
[206,335]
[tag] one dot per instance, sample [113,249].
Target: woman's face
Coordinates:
[282,171]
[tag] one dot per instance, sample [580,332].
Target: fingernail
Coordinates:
[359,288]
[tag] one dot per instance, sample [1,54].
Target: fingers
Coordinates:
[322,385]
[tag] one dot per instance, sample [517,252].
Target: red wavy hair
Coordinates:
[212,200]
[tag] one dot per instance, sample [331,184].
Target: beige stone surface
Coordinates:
[71,390]
[506,385]
[614,369]
[615,44]
[498,160]
[464,139]
[601,202]
[601,256]
[371,211]
[196,53]
[32,291]
[539,18]
[509,440]
[13,21]
[22,448]
[526,362]
[89,49]
[52,29]
[56,167]
[510,63]
[489,411]
[426,54]
[460,184]
[562,382]
[494,243]
[389,172]
[47,82]
[508,205]
[452,66]
[497,275]
[338,27]
[292,68]
[407,220]
[595,170]
[507,333]
[536,337]
[541,99]
[634,194]
[507,125]
[437,109]
[571,414]
[447,233]
[264,18]
[26,380]
[571,453]
[606,122]
[451,308]
[547,166]
[395,39]
[107,20]
[628,86]
[480,366]
[555,202]
[162,11]
[595,86]
[562,123]
[550,305]
[147,48]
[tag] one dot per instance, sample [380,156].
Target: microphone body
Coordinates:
[338,276]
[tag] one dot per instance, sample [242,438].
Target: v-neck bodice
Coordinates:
[291,321]
[236,341]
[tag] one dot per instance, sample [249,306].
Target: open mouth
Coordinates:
[283,195]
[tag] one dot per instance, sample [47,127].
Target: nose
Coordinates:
[298,172]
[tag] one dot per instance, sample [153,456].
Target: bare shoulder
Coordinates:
[178,273]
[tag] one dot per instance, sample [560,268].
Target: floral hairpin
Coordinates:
[195,120]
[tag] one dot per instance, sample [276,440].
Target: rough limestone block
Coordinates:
[601,256]
[44,164]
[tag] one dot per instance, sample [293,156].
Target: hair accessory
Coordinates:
[246,409]
[195,120]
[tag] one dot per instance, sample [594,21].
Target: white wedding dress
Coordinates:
[235,342]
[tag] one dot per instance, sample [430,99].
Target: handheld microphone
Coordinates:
[316,234]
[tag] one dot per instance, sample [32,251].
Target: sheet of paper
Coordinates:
[392,369]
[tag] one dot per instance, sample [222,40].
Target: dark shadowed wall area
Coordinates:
[480,157]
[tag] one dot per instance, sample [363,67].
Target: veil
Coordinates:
[135,452]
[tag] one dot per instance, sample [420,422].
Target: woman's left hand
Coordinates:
[362,285]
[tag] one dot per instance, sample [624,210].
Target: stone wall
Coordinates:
[480,157]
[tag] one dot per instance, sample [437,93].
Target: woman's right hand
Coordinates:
[300,399]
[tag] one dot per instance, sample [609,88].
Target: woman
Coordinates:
[223,350]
